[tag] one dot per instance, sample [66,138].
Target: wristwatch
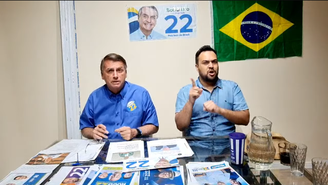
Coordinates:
[139,134]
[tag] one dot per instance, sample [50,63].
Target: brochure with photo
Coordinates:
[213,173]
[169,147]
[75,176]
[24,178]
[42,159]
[113,175]
[125,150]
[167,176]
[72,175]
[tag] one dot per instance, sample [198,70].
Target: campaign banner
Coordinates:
[162,22]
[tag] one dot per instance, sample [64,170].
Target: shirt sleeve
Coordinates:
[87,116]
[150,114]
[239,100]
[182,99]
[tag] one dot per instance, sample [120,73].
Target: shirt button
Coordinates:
[116,123]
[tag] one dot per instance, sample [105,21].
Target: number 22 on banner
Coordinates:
[184,29]
[137,164]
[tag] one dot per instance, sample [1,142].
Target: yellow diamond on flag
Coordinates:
[256,27]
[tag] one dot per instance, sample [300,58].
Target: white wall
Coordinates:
[32,98]
[290,92]
[162,67]
[8,106]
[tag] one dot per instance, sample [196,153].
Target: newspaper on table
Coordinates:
[217,173]
[167,176]
[149,163]
[169,147]
[125,150]
[113,175]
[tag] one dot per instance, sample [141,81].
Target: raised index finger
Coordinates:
[193,83]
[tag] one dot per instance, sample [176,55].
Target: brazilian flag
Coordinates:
[257,29]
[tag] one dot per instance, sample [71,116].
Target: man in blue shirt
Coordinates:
[118,109]
[210,106]
[147,17]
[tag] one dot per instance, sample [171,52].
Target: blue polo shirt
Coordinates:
[139,36]
[131,107]
[226,94]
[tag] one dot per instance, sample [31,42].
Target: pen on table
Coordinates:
[77,162]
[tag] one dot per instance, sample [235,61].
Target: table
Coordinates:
[207,149]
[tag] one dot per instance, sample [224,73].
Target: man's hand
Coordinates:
[127,133]
[100,132]
[210,106]
[194,92]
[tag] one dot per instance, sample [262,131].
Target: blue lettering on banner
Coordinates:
[34,179]
[184,29]
[130,164]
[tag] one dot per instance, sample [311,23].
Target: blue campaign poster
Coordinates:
[113,176]
[161,176]
[152,22]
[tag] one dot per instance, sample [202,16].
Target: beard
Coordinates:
[208,79]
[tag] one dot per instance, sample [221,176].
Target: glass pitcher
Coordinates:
[261,150]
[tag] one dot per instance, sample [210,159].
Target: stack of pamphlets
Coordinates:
[112,174]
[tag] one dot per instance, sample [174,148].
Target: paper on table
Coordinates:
[169,147]
[200,173]
[67,145]
[71,146]
[35,168]
[90,152]
[120,151]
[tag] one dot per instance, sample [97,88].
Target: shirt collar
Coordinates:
[200,85]
[122,92]
[143,36]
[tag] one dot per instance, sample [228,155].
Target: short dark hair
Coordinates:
[202,49]
[113,57]
[152,7]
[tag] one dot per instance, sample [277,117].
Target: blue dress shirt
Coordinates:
[139,36]
[131,107]
[227,95]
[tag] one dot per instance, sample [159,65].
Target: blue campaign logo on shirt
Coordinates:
[131,106]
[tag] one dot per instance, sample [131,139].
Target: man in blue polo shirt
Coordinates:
[118,109]
[210,106]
